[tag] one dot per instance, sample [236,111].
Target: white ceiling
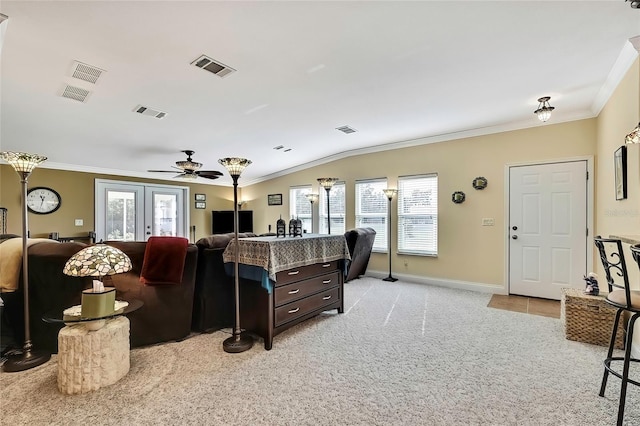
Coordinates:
[395,71]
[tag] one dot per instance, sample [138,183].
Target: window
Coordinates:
[300,206]
[372,210]
[418,215]
[336,203]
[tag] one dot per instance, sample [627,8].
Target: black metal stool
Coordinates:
[624,299]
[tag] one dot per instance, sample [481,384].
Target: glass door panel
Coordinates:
[121,216]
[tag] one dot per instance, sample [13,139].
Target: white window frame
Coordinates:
[337,201]
[302,210]
[416,210]
[365,211]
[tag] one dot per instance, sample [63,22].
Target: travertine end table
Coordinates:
[89,360]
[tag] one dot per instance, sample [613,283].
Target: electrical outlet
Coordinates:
[488,221]
[79,222]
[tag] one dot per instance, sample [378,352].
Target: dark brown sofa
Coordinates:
[213,303]
[360,243]
[165,315]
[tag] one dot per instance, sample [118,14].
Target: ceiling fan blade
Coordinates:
[208,176]
[161,171]
[209,172]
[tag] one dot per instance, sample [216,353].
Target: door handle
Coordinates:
[515,237]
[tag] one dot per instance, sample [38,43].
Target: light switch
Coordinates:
[79,222]
[488,221]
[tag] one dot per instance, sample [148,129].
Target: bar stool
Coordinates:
[624,299]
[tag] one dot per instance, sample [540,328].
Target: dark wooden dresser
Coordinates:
[268,307]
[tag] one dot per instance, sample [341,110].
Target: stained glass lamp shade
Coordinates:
[97,261]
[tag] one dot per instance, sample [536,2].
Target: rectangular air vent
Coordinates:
[75,93]
[278,147]
[346,129]
[86,72]
[208,64]
[149,111]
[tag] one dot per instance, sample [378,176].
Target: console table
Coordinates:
[285,281]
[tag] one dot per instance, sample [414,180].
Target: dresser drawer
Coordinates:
[297,274]
[290,292]
[304,306]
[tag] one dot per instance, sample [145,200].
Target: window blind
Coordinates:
[372,210]
[418,215]
[337,205]
[300,206]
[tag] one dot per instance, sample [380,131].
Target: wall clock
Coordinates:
[42,200]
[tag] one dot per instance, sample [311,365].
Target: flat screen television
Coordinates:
[222,221]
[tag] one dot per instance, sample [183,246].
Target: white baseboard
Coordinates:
[441,282]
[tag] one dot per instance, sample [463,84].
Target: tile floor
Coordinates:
[528,305]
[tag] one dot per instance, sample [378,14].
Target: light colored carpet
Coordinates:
[401,354]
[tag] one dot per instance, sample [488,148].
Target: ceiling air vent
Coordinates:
[75,93]
[208,64]
[86,72]
[149,111]
[346,129]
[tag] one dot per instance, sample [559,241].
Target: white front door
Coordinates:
[131,211]
[547,228]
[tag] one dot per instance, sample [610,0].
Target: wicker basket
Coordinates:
[589,318]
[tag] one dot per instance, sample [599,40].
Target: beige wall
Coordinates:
[467,251]
[77,192]
[618,118]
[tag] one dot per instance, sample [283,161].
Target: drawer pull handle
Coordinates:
[294,273]
[326,297]
[293,311]
[326,281]
[326,265]
[297,290]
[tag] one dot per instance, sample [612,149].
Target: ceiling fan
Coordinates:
[190,169]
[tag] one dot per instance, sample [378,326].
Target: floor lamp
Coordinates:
[327,183]
[312,199]
[238,342]
[24,164]
[389,193]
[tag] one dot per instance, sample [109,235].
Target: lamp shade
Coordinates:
[312,197]
[97,261]
[327,183]
[390,192]
[22,162]
[235,166]
[634,136]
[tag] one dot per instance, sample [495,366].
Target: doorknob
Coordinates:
[515,228]
[515,237]
[148,233]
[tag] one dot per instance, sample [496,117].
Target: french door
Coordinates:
[131,211]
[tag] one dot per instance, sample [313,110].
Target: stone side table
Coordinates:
[89,360]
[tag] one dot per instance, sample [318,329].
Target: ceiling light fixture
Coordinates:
[544,109]
[635,4]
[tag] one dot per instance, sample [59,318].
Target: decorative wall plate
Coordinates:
[458,197]
[480,182]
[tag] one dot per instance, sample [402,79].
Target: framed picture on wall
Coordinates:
[274,199]
[201,197]
[620,171]
[201,205]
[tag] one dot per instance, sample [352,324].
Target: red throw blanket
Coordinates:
[164,259]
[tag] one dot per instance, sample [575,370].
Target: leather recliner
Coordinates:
[360,243]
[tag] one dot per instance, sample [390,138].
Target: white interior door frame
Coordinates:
[507,218]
